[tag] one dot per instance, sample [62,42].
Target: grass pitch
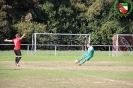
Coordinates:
[62,72]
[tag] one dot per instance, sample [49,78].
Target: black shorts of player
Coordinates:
[17,52]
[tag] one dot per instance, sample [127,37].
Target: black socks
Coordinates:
[17,59]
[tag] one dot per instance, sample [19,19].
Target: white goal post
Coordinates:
[58,41]
[122,45]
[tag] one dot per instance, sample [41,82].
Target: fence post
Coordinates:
[109,50]
[27,50]
[82,50]
[55,50]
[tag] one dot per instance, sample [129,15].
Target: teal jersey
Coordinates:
[91,51]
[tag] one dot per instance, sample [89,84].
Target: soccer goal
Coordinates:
[122,45]
[59,43]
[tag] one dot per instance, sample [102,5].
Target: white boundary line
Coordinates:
[101,78]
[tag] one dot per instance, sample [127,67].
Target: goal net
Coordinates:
[59,44]
[122,45]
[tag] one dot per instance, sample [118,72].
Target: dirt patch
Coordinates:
[70,65]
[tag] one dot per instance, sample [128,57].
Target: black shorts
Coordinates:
[17,52]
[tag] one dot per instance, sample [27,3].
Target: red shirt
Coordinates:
[17,42]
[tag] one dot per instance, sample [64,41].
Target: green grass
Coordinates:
[52,53]
[51,71]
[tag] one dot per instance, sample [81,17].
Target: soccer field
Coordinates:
[62,72]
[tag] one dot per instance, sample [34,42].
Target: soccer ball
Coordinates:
[76,61]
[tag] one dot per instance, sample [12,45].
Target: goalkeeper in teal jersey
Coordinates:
[87,56]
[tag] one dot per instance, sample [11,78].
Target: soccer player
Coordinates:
[17,47]
[87,56]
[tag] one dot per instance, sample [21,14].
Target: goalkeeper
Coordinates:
[87,56]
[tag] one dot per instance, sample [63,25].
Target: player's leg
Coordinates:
[19,56]
[16,58]
[85,59]
[18,52]
[80,59]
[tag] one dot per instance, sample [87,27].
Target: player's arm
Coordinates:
[6,40]
[89,51]
[23,36]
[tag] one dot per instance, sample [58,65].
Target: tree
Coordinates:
[29,28]
[95,17]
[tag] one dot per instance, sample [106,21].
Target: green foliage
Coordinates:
[107,31]
[49,13]
[131,27]
[95,17]
[95,9]
[79,6]
[29,29]
[4,30]
[2,14]
[64,18]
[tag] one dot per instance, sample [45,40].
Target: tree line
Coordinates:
[95,17]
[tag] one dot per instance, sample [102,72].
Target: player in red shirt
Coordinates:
[17,47]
